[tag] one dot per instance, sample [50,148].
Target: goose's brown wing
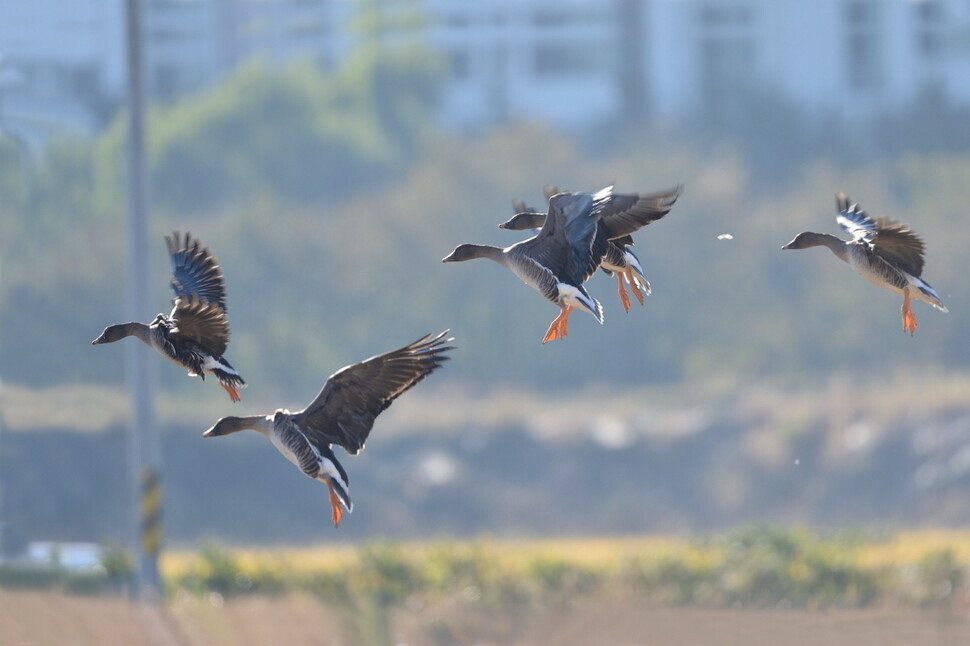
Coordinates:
[344,411]
[195,271]
[202,322]
[626,213]
[897,245]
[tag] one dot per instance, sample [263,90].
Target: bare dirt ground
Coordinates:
[53,619]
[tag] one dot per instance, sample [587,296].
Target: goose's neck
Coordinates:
[488,251]
[835,245]
[137,330]
[260,423]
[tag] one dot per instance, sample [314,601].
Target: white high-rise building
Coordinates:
[572,63]
[847,59]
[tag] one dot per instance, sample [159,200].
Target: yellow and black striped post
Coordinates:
[151,523]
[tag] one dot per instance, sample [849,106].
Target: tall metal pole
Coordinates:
[143,438]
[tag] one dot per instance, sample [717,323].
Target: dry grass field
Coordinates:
[725,590]
[54,619]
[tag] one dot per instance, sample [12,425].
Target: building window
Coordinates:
[166,81]
[723,14]
[459,64]
[563,59]
[864,60]
[860,12]
[929,11]
[727,54]
[550,17]
[726,64]
[84,80]
[929,44]
[865,70]
[454,21]
[929,18]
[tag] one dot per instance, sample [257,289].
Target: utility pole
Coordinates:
[143,452]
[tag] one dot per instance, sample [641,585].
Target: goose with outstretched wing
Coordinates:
[195,334]
[618,258]
[883,251]
[343,414]
[557,260]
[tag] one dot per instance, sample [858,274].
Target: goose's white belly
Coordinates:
[283,449]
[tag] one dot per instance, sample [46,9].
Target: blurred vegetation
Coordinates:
[111,576]
[458,462]
[329,201]
[752,566]
[494,586]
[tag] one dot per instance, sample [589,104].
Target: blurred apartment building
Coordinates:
[574,63]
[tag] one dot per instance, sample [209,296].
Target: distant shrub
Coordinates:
[768,567]
[385,572]
[32,576]
[331,587]
[936,579]
[673,580]
[217,570]
[750,567]
[92,581]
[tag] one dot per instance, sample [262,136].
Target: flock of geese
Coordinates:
[578,233]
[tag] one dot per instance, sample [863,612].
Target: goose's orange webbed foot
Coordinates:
[634,286]
[232,390]
[559,327]
[909,319]
[909,322]
[335,506]
[621,290]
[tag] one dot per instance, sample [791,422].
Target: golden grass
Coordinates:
[605,555]
[910,547]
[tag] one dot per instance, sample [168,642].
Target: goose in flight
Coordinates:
[618,259]
[196,332]
[883,251]
[342,414]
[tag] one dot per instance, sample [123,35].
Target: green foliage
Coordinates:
[939,578]
[672,580]
[753,566]
[329,204]
[385,574]
[764,567]
[219,571]
[302,134]
[88,582]
[44,576]
[30,576]
[116,562]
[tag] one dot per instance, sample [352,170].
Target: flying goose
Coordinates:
[342,414]
[195,334]
[883,251]
[618,258]
[557,260]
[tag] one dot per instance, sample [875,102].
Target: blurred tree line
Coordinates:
[329,200]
